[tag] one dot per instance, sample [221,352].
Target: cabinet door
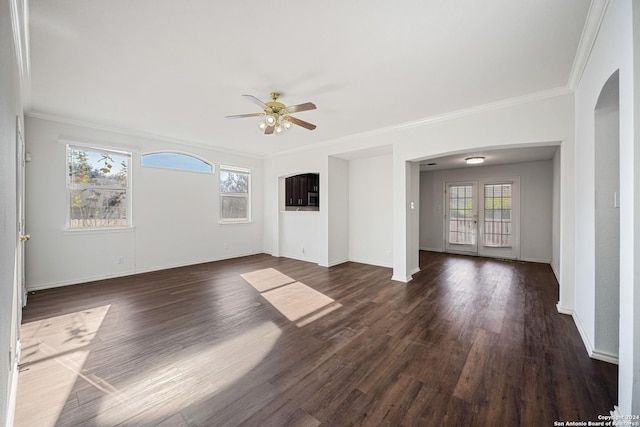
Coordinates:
[288,184]
[302,179]
[315,183]
[296,190]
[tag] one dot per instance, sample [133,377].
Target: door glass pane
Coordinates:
[497,215]
[461,221]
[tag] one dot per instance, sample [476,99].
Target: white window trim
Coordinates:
[99,146]
[247,220]
[184,153]
[91,147]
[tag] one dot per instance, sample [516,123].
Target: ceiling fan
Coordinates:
[276,116]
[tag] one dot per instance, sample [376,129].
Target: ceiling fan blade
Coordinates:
[256,101]
[301,107]
[239,116]
[302,123]
[269,130]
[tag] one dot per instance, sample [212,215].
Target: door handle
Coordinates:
[24,238]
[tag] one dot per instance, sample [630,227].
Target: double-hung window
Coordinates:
[235,194]
[98,188]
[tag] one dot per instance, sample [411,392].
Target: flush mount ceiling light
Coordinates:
[275,116]
[476,160]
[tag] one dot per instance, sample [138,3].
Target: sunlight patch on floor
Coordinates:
[54,351]
[268,278]
[159,390]
[296,301]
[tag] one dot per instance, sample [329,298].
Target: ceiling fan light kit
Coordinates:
[276,116]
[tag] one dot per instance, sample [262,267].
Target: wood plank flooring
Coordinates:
[469,342]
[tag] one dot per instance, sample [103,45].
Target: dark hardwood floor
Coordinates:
[263,341]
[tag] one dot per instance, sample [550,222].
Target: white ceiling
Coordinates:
[491,157]
[175,68]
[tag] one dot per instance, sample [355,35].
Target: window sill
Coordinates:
[75,231]
[247,221]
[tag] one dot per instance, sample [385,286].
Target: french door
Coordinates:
[482,217]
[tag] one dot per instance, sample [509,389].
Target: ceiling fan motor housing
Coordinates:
[275,115]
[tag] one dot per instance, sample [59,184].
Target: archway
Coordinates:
[607,219]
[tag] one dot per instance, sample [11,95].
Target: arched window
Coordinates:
[176,161]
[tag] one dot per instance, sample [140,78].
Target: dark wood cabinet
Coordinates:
[302,189]
[314,182]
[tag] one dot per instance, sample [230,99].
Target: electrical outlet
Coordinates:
[120,260]
[302,249]
[226,246]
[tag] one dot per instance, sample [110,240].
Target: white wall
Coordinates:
[613,50]
[335,233]
[536,197]
[371,210]
[631,331]
[300,235]
[10,107]
[339,211]
[555,227]
[285,233]
[175,213]
[529,121]
[539,119]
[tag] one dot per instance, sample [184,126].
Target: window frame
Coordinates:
[180,153]
[225,168]
[69,187]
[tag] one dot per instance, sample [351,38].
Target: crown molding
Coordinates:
[506,103]
[595,16]
[497,105]
[137,134]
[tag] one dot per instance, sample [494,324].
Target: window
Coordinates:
[497,215]
[235,202]
[176,161]
[461,215]
[98,188]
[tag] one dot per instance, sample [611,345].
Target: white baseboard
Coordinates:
[603,356]
[401,279]
[555,272]
[616,414]
[583,333]
[564,310]
[539,261]
[432,249]
[60,284]
[334,263]
[369,262]
[407,279]
[13,394]
[51,285]
[297,258]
